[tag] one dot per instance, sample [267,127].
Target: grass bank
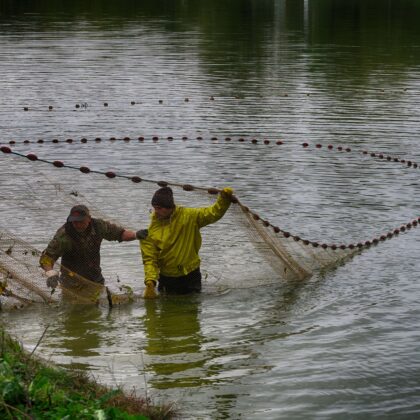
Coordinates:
[31,389]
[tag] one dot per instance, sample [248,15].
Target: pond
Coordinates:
[343,343]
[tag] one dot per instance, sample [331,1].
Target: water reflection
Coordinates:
[174,341]
[350,71]
[77,331]
[181,352]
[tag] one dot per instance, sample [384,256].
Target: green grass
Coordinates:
[30,389]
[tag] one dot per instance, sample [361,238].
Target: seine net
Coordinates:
[241,250]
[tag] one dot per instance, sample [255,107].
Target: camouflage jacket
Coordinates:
[80,252]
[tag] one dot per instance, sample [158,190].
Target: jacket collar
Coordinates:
[169,220]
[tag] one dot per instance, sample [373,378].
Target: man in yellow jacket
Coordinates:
[170,251]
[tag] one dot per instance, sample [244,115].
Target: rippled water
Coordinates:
[343,344]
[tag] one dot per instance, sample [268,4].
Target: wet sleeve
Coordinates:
[150,254]
[207,215]
[55,249]
[110,231]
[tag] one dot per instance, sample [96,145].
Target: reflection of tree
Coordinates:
[174,341]
[362,29]
[79,330]
[239,35]
[370,22]
[179,355]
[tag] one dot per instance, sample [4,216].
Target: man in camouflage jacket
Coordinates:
[78,244]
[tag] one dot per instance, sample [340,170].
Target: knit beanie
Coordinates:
[163,197]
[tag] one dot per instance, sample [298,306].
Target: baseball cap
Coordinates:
[78,213]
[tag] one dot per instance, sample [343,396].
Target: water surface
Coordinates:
[342,344]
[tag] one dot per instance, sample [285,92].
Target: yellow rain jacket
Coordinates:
[172,245]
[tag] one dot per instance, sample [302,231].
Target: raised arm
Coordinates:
[212,214]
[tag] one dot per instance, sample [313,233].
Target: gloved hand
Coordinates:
[52,278]
[150,291]
[227,192]
[142,234]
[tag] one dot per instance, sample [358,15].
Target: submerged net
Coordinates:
[241,250]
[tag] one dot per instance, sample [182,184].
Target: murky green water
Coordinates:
[344,344]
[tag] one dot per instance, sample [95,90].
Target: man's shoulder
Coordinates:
[106,229]
[182,212]
[60,238]
[103,222]
[61,231]
[99,222]
[190,211]
[186,215]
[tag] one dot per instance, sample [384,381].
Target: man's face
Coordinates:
[82,225]
[162,213]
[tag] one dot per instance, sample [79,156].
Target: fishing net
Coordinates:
[239,251]
[22,280]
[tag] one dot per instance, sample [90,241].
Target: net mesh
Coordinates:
[239,251]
